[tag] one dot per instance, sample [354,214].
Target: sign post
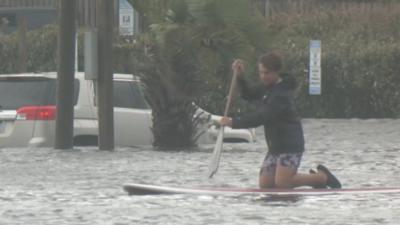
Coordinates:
[315,68]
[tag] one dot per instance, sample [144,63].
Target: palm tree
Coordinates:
[188,49]
[151,11]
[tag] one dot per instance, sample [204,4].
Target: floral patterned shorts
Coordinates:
[271,161]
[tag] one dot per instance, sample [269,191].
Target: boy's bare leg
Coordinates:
[287,177]
[266,181]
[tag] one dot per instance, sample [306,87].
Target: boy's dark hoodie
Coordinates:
[277,112]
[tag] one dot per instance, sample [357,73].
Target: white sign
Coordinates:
[126,19]
[315,68]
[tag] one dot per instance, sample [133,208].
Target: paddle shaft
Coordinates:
[213,167]
[230,94]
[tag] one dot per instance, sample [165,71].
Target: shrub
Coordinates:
[360,55]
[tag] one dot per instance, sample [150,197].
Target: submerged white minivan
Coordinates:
[27,113]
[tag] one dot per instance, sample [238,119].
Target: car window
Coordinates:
[54,92]
[127,94]
[17,92]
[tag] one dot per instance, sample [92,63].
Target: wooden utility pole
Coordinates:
[66,74]
[105,23]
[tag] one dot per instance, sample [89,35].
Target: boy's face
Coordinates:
[267,77]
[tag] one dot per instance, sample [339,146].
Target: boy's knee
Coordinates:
[266,185]
[266,182]
[283,183]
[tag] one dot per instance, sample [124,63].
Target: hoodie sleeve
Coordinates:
[266,113]
[248,92]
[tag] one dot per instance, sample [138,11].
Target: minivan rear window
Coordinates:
[15,93]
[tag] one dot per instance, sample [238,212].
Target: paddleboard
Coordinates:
[145,189]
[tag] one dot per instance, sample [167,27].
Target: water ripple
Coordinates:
[84,186]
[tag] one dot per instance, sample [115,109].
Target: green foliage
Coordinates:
[227,29]
[174,124]
[42,51]
[188,58]
[192,43]
[360,55]
[8,54]
[152,11]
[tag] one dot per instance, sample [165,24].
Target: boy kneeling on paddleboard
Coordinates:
[282,127]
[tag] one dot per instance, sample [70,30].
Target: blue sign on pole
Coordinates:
[315,68]
[126,18]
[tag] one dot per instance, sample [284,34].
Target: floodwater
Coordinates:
[84,186]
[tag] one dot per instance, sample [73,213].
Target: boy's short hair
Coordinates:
[271,61]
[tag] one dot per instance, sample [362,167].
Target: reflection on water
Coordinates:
[84,186]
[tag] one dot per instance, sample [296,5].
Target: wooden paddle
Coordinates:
[216,156]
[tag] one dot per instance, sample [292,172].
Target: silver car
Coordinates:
[27,113]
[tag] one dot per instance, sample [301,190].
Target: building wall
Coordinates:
[34,17]
[46,11]
[38,13]
[30,3]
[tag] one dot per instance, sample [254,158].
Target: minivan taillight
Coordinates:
[36,113]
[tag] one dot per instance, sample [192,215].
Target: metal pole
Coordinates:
[76,52]
[105,81]
[65,78]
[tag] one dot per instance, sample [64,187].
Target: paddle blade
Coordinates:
[216,156]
